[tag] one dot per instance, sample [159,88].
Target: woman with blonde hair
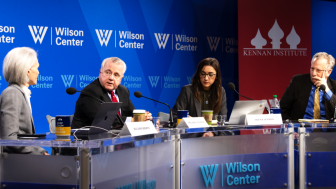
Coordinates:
[20,69]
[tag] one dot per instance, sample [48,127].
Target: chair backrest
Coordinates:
[164,117]
[51,122]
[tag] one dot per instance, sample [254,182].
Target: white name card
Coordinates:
[264,119]
[138,128]
[193,122]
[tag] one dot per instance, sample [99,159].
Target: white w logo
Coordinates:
[67,80]
[38,32]
[267,131]
[213,42]
[102,160]
[154,80]
[161,39]
[189,79]
[104,37]
[209,174]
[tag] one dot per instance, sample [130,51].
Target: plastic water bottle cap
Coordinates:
[274,96]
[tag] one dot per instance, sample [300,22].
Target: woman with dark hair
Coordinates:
[205,91]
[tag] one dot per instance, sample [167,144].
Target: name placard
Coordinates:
[138,128]
[193,122]
[264,119]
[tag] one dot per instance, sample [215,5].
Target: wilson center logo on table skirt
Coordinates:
[229,169]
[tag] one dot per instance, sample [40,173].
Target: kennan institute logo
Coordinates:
[276,34]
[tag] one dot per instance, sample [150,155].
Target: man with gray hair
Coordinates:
[108,89]
[303,98]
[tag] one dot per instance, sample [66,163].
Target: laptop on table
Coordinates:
[241,108]
[103,120]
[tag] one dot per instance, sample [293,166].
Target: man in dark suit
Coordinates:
[108,89]
[303,99]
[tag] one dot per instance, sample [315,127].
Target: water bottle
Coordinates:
[275,106]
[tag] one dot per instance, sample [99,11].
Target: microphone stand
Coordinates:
[171,123]
[242,95]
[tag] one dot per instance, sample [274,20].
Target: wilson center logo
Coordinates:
[154,80]
[189,79]
[104,36]
[67,80]
[231,174]
[213,42]
[161,39]
[209,174]
[38,32]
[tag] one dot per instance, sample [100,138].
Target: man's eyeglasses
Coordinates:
[108,73]
[210,75]
[317,70]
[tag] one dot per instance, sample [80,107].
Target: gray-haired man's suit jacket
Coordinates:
[16,118]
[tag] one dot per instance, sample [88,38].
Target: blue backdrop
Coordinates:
[160,41]
[323,27]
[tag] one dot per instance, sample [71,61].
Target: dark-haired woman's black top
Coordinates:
[186,101]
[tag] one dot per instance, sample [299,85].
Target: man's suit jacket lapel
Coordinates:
[329,108]
[106,97]
[306,88]
[330,86]
[122,97]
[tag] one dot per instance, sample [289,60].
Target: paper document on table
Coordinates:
[314,120]
[128,119]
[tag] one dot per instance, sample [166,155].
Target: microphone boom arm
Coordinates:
[170,111]
[242,95]
[88,94]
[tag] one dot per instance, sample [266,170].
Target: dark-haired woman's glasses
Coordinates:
[203,75]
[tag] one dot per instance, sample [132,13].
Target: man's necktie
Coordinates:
[317,113]
[114,99]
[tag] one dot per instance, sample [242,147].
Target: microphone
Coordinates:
[138,94]
[323,88]
[233,87]
[72,91]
